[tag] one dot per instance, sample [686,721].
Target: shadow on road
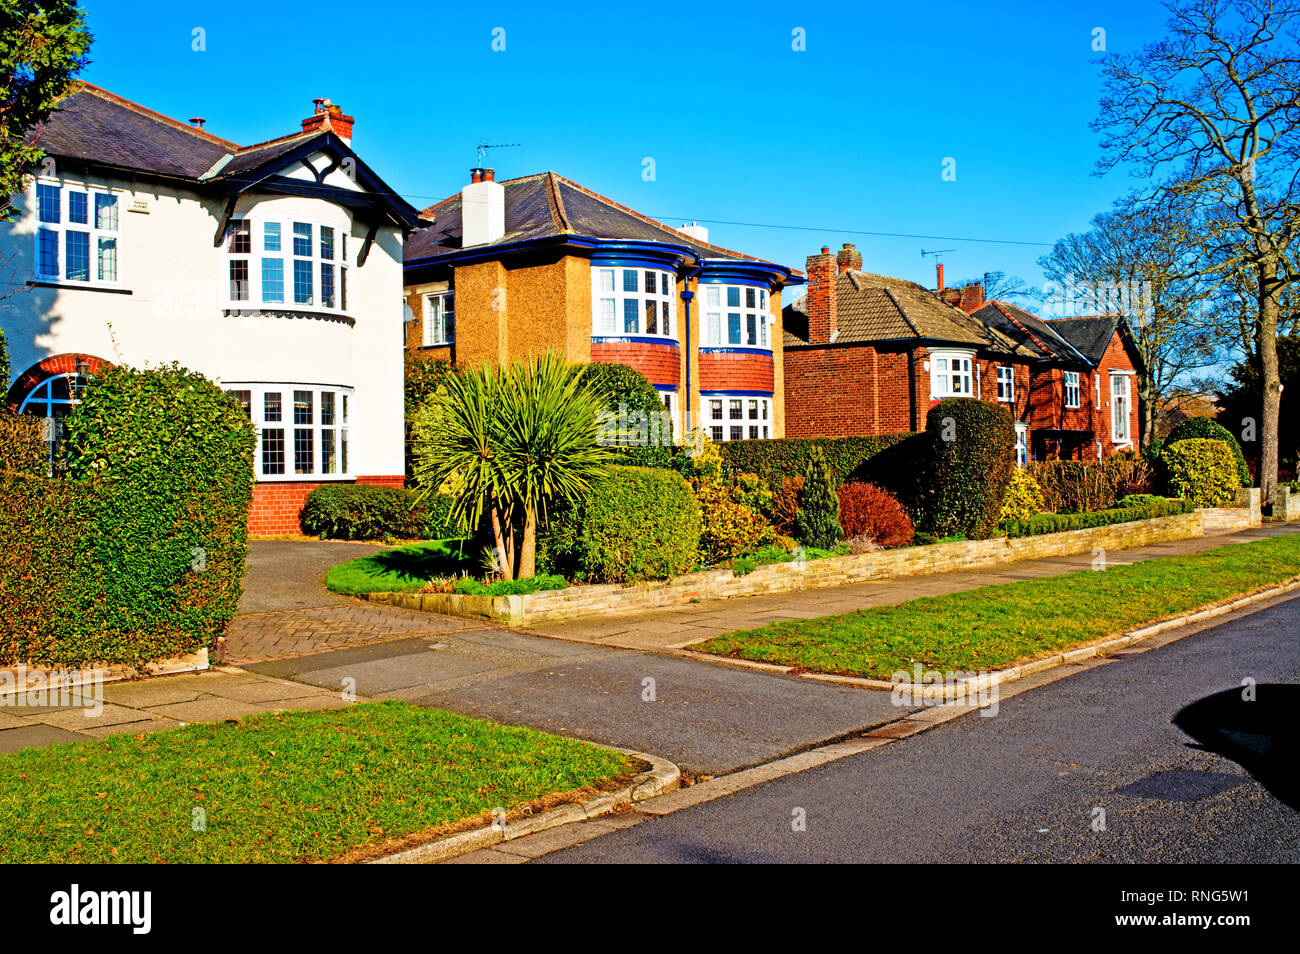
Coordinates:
[1259,734]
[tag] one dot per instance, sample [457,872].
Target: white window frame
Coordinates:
[1071,386]
[608,308]
[439,319]
[670,401]
[341,428]
[1022,445]
[1006,383]
[90,228]
[716,312]
[941,368]
[259,253]
[1096,386]
[1120,397]
[752,413]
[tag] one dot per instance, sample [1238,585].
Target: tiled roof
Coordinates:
[1032,332]
[1089,334]
[548,205]
[880,308]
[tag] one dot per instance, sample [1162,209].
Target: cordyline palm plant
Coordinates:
[506,443]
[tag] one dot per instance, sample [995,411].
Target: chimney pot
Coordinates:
[849,258]
[197,122]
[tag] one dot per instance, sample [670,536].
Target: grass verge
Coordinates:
[997,626]
[284,787]
[400,569]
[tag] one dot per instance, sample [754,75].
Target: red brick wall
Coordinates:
[47,368]
[736,372]
[847,391]
[277,505]
[1115,358]
[660,363]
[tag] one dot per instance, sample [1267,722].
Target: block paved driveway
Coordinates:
[286,610]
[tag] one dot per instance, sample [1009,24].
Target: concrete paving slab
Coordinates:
[32,736]
[208,709]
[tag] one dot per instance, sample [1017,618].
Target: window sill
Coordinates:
[304,478]
[79,286]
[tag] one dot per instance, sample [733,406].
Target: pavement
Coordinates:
[675,627]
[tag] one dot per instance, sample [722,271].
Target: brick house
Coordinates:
[1084,391]
[507,269]
[274,269]
[869,354]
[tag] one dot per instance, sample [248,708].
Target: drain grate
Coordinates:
[1181,785]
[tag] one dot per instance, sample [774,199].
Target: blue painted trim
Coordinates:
[734,349]
[635,339]
[667,388]
[765,394]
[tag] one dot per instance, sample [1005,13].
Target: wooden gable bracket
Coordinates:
[365,246]
[220,236]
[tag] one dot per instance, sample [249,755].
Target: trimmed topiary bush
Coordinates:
[144,544]
[637,524]
[1201,470]
[973,453]
[1024,497]
[818,522]
[367,512]
[1203,427]
[868,511]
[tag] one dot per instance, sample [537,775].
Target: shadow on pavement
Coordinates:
[1259,734]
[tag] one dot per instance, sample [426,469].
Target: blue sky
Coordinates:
[847,136]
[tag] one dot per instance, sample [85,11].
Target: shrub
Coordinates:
[1024,497]
[529,584]
[367,512]
[788,457]
[1058,522]
[422,377]
[728,528]
[785,504]
[636,524]
[639,420]
[1086,485]
[818,522]
[1203,427]
[972,452]
[871,512]
[1201,470]
[23,448]
[145,541]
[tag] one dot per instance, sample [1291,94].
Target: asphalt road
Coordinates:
[1024,786]
[707,718]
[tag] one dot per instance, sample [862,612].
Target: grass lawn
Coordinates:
[403,568]
[995,626]
[282,787]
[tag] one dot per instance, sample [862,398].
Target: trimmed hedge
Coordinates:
[1058,522]
[23,448]
[972,446]
[368,512]
[1202,470]
[1204,427]
[139,555]
[637,523]
[780,458]
[1082,485]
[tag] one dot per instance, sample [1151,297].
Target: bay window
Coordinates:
[734,316]
[736,417]
[950,374]
[633,301]
[286,263]
[77,235]
[302,429]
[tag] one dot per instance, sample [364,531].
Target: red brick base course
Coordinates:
[277,505]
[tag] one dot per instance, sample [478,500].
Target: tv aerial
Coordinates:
[484,146]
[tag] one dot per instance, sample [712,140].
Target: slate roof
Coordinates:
[547,205]
[1031,331]
[1090,334]
[873,308]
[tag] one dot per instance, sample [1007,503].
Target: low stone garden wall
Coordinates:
[1286,505]
[579,601]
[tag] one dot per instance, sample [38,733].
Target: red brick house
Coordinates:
[868,354]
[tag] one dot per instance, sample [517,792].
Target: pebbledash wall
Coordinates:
[170,303]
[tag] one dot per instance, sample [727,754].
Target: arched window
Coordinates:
[53,400]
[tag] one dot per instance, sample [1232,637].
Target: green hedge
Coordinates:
[23,448]
[972,446]
[636,524]
[1144,507]
[141,554]
[774,460]
[1203,470]
[368,512]
[1203,427]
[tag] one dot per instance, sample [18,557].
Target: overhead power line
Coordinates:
[811,228]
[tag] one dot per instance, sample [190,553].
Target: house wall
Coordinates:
[1115,358]
[170,308]
[853,390]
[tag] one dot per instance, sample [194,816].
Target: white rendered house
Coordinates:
[274,269]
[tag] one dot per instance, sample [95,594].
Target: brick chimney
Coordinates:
[820,301]
[972,297]
[849,257]
[328,116]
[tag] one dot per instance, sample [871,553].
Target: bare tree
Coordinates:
[999,286]
[1215,109]
[1139,261]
